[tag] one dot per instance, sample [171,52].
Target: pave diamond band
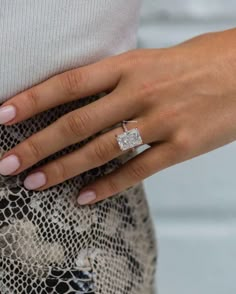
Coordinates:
[129,138]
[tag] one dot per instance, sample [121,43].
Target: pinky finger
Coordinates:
[145,164]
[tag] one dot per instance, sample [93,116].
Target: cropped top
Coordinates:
[40,38]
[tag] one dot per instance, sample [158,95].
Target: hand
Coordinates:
[183,99]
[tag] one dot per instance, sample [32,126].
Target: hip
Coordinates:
[46,237]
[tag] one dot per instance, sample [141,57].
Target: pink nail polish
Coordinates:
[7,113]
[86,197]
[35,180]
[9,164]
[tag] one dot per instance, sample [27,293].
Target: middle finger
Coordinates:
[95,153]
[71,128]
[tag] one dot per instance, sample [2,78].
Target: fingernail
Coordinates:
[86,197]
[35,180]
[9,164]
[7,113]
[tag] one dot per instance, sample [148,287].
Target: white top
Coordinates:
[40,38]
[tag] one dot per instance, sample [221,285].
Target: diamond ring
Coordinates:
[129,138]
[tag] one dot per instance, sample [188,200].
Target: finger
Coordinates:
[69,129]
[96,152]
[64,87]
[143,165]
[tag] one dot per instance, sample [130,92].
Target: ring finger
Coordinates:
[69,129]
[96,152]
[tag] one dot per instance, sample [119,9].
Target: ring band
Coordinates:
[129,138]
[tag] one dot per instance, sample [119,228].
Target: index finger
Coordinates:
[65,87]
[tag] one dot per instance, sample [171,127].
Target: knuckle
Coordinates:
[183,142]
[169,113]
[148,89]
[102,150]
[71,81]
[32,99]
[112,186]
[60,171]
[131,58]
[135,55]
[35,149]
[137,171]
[76,125]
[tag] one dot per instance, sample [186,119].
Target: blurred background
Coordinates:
[193,203]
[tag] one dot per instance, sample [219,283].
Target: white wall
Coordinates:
[193,203]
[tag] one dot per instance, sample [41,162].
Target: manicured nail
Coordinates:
[35,180]
[9,164]
[86,197]
[7,113]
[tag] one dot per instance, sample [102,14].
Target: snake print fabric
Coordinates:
[50,244]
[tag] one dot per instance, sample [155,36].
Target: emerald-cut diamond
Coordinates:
[129,139]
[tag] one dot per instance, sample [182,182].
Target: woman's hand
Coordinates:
[183,99]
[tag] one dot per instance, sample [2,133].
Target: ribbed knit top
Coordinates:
[40,38]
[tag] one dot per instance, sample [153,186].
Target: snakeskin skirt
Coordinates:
[50,244]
